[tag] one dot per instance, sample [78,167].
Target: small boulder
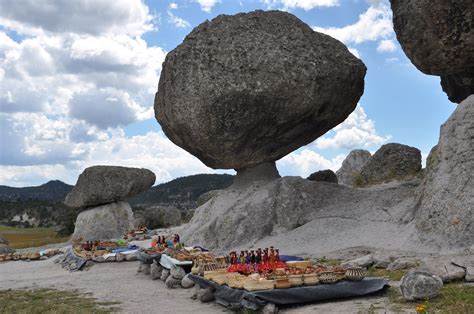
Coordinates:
[352,165]
[130,257]
[323,175]
[146,269]
[206,295]
[177,272]
[419,285]
[99,185]
[443,268]
[469,274]
[391,162]
[165,273]
[187,283]
[402,263]
[155,271]
[98,259]
[172,283]
[364,261]
[120,257]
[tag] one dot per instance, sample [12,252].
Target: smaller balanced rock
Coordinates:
[323,175]
[102,191]
[352,165]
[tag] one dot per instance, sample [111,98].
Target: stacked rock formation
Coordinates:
[102,192]
[323,175]
[243,91]
[351,166]
[390,162]
[438,37]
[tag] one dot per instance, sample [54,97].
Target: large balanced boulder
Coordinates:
[391,162]
[110,221]
[438,37]
[420,285]
[446,211]
[99,185]
[323,175]
[250,88]
[352,165]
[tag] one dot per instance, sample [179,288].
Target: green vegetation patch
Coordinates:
[30,237]
[394,275]
[51,301]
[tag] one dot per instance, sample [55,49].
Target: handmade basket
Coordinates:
[296,280]
[262,284]
[282,283]
[327,277]
[310,279]
[300,264]
[355,274]
[236,282]
[213,273]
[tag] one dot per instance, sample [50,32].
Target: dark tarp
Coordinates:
[146,258]
[236,298]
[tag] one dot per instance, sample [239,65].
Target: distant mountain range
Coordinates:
[43,205]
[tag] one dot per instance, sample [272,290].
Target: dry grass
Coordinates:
[30,237]
[394,275]
[51,301]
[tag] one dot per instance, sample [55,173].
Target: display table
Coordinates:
[168,262]
[236,298]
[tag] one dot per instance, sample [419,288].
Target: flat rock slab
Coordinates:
[99,185]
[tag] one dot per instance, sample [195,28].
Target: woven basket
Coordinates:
[310,279]
[300,264]
[296,280]
[355,274]
[282,283]
[327,277]
[256,285]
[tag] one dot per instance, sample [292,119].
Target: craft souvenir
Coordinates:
[260,284]
[300,264]
[296,280]
[310,279]
[355,274]
[327,277]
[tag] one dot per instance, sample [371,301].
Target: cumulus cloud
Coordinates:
[386,45]
[301,4]
[306,161]
[79,16]
[177,21]
[374,24]
[173,6]
[355,132]
[207,5]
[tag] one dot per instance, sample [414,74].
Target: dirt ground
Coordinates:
[139,294]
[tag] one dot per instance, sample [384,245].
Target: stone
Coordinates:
[250,88]
[195,293]
[270,308]
[5,249]
[177,272]
[469,274]
[146,269]
[98,259]
[186,282]
[155,271]
[43,258]
[120,257]
[130,257]
[320,217]
[402,263]
[204,198]
[165,273]
[443,267]
[446,198]
[352,165]
[99,185]
[110,221]
[140,267]
[161,217]
[418,285]
[172,283]
[323,175]
[445,46]
[206,295]
[391,162]
[364,261]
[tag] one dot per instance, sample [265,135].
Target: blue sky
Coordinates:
[78,80]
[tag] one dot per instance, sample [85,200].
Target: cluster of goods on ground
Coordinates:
[29,256]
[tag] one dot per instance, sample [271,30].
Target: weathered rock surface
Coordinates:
[445,215]
[187,283]
[165,273]
[172,283]
[5,249]
[3,240]
[352,165]
[158,217]
[444,267]
[99,185]
[445,47]
[363,261]
[109,221]
[155,271]
[177,273]
[418,285]
[391,162]
[323,175]
[318,216]
[251,88]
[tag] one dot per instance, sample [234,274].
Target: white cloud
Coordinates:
[374,24]
[302,4]
[177,21]
[79,16]
[386,45]
[207,5]
[306,161]
[173,6]
[355,132]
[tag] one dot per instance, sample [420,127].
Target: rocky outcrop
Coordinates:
[317,216]
[446,210]
[4,248]
[438,37]
[99,185]
[391,162]
[323,175]
[159,217]
[109,221]
[352,165]
[250,88]
[418,285]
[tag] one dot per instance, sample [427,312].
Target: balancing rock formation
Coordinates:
[248,89]
[438,37]
[102,191]
[352,165]
[323,175]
